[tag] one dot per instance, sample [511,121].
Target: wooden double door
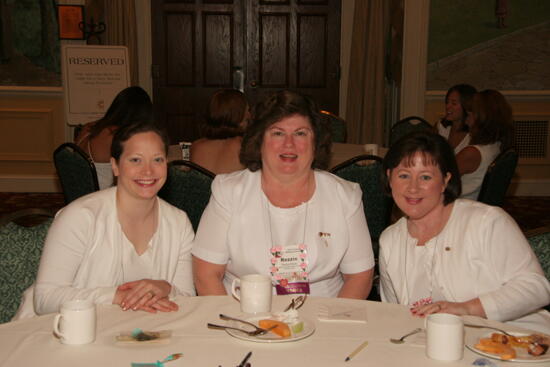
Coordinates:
[200,46]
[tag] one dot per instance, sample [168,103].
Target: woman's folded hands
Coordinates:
[145,294]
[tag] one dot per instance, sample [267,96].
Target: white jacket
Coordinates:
[481,253]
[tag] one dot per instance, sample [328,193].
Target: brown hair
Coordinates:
[493,119]
[465,94]
[275,108]
[225,115]
[124,133]
[435,149]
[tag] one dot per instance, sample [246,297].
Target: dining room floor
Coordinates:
[530,212]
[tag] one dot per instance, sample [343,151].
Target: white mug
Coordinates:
[444,337]
[371,149]
[255,292]
[76,322]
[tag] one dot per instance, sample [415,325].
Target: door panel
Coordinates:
[279,44]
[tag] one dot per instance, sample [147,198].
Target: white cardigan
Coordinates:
[83,253]
[482,253]
[234,230]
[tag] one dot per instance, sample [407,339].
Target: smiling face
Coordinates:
[417,186]
[287,147]
[453,107]
[141,168]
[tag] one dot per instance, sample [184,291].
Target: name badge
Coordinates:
[289,269]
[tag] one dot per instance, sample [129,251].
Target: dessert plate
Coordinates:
[309,328]
[521,353]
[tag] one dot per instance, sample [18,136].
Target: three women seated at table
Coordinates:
[218,150]
[286,217]
[130,105]
[454,255]
[283,215]
[121,245]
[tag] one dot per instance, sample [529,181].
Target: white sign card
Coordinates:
[92,77]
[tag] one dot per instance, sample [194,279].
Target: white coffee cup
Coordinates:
[76,322]
[254,292]
[371,149]
[444,337]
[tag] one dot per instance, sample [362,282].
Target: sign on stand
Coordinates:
[92,77]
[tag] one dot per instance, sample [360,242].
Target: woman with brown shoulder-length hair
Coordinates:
[491,128]
[219,147]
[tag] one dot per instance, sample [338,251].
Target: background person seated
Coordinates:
[491,129]
[122,245]
[453,255]
[130,105]
[453,126]
[218,150]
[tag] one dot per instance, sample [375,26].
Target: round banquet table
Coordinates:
[30,342]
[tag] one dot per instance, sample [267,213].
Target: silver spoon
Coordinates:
[402,339]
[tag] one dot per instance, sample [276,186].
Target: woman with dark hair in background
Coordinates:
[284,216]
[452,255]
[130,105]
[491,128]
[453,126]
[218,149]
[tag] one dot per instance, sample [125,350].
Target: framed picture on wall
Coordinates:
[69,19]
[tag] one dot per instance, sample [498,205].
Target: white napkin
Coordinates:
[342,313]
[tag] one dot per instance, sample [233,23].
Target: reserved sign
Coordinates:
[92,77]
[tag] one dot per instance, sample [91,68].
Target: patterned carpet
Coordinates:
[529,212]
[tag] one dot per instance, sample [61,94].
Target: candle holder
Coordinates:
[92,31]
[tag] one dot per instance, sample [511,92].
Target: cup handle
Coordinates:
[56,325]
[234,287]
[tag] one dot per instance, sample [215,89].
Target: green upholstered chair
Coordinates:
[406,126]
[498,177]
[187,187]
[20,251]
[337,127]
[76,171]
[366,170]
[376,203]
[539,239]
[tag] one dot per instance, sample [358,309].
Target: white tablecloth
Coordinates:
[30,342]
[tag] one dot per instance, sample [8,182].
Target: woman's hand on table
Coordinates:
[472,307]
[143,294]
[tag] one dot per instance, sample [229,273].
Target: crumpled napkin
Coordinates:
[342,313]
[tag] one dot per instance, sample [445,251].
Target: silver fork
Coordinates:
[257,332]
[488,327]
[229,318]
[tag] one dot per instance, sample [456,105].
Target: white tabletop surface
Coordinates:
[30,342]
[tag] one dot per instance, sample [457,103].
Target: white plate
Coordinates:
[309,328]
[521,353]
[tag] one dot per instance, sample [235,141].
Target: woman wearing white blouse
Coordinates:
[122,245]
[453,255]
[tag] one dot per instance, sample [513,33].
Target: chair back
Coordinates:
[539,239]
[337,126]
[187,187]
[498,177]
[406,126]
[76,171]
[20,251]
[376,203]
